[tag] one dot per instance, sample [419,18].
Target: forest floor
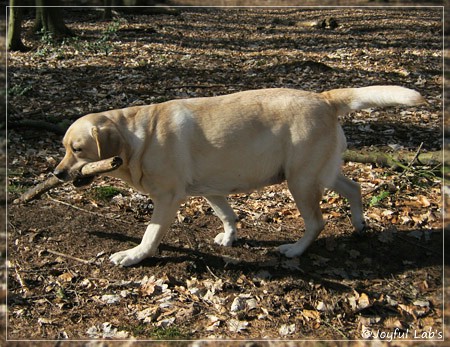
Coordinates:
[345,287]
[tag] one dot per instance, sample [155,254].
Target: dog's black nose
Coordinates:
[61,174]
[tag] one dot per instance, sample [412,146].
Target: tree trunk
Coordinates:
[50,20]
[15,27]
[107,11]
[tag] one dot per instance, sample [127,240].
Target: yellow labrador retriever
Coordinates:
[217,146]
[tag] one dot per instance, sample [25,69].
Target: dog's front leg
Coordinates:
[163,215]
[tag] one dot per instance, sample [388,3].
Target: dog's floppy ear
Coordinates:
[108,141]
[94,133]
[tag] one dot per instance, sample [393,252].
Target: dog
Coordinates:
[216,146]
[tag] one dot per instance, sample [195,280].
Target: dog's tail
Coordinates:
[351,99]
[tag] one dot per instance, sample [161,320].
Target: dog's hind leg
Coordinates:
[226,214]
[352,192]
[163,215]
[307,196]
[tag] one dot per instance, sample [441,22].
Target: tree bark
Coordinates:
[50,19]
[15,27]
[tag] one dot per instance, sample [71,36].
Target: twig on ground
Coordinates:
[197,86]
[87,211]
[21,281]
[411,162]
[73,206]
[69,256]
[212,273]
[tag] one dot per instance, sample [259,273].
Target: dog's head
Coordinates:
[90,138]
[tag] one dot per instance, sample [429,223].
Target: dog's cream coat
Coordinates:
[228,144]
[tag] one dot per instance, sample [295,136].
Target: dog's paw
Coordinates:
[225,239]
[290,250]
[129,257]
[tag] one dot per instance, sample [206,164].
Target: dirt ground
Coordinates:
[384,284]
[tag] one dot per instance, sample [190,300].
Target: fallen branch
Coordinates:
[88,170]
[395,160]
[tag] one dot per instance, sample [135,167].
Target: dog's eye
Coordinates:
[76,149]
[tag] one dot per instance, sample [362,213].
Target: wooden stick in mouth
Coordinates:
[87,171]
